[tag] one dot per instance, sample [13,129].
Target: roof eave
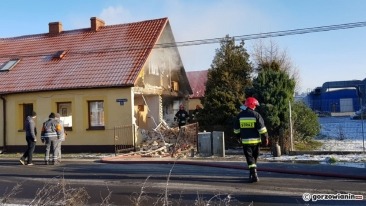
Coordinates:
[63,89]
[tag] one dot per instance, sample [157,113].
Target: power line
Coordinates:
[267,35]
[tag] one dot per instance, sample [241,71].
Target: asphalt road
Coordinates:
[165,184]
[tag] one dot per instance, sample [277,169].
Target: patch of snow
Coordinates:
[357,158]
[337,134]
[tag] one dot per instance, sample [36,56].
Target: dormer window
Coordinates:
[9,65]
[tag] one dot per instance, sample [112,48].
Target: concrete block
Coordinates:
[204,144]
[218,143]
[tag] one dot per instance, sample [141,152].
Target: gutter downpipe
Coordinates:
[4,122]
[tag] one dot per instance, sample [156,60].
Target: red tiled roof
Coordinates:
[197,80]
[110,57]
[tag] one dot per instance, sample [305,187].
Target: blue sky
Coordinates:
[319,57]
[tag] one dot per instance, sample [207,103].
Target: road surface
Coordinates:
[166,184]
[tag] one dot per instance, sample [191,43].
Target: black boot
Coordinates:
[253,177]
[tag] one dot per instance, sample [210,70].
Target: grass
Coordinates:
[308,146]
[332,160]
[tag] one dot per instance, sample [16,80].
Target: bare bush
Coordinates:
[140,197]
[58,192]
[8,195]
[214,200]
[105,200]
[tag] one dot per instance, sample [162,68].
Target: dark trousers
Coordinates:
[251,153]
[31,145]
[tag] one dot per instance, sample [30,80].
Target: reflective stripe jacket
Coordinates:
[55,129]
[250,125]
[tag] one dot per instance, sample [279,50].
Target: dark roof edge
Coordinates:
[73,30]
[71,88]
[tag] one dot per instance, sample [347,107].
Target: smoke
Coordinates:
[116,15]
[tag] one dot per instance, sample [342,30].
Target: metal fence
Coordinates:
[342,133]
[124,138]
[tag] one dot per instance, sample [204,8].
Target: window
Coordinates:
[96,114]
[27,111]
[64,109]
[153,68]
[9,65]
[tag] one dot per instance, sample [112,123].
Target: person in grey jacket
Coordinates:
[31,138]
[50,134]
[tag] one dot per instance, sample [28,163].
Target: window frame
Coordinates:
[67,128]
[27,111]
[90,127]
[7,66]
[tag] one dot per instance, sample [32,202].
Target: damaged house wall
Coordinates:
[161,84]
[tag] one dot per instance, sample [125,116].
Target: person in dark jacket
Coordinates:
[31,138]
[249,127]
[181,116]
[195,113]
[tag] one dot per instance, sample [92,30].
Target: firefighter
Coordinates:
[249,127]
[195,113]
[181,116]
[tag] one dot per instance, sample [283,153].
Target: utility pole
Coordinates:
[361,109]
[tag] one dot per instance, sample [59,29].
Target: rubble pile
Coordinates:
[164,141]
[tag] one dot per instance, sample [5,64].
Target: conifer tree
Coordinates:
[274,88]
[229,75]
[305,123]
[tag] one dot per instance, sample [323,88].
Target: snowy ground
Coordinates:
[342,134]
[337,134]
[351,160]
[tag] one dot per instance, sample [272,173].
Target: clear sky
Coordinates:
[319,57]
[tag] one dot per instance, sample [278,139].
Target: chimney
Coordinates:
[55,28]
[96,24]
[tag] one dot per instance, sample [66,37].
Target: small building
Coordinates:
[338,96]
[97,78]
[197,80]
